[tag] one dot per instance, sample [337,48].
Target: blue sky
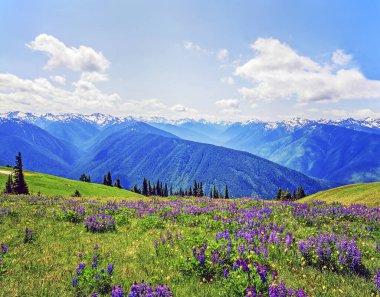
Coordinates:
[232,60]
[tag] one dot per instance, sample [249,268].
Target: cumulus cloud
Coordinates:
[228,105]
[178,108]
[340,58]
[279,72]
[189,45]
[342,113]
[227,80]
[222,54]
[41,95]
[58,79]
[83,58]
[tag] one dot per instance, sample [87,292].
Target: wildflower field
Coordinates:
[187,247]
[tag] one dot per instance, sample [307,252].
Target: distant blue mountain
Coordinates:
[132,155]
[41,151]
[132,150]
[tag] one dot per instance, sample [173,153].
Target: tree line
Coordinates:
[287,196]
[159,188]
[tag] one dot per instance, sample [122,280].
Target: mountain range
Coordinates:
[253,158]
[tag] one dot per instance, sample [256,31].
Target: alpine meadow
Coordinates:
[190,148]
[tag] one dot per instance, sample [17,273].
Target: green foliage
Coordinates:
[151,222]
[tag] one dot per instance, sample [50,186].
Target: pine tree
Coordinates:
[109,179]
[150,190]
[19,183]
[300,193]
[171,190]
[105,180]
[211,193]
[145,188]
[279,194]
[165,192]
[118,184]
[226,196]
[216,192]
[201,193]
[158,188]
[294,195]
[136,189]
[9,185]
[287,195]
[195,188]
[77,194]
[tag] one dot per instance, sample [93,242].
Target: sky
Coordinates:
[216,59]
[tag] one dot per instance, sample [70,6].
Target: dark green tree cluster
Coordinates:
[16,183]
[215,193]
[107,180]
[85,178]
[287,196]
[152,189]
[196,190]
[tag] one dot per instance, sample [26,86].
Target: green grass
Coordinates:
[368,194]
[51,185]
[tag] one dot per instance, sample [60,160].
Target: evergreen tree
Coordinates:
[211,193]
[165,192]
[136,189]
[171,190]
[118,184]
[77,194]
[279,194]
[286,195]
[85,178]
[190,192]
[216,192]
[195,188]
[19,183]
[105,180]
[226,196]
[294,195]
[109,179]
[145,188]
[150,190]
[300,193]
[9,185]
[158,188]
[201,193]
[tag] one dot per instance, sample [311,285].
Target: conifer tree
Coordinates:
[300,193]
[109,179]
[216,192]
[279,194]
[226,196]
[145,188]
[171,190]
[9,185]
[211,193]
[105,180]
[165,192]
[201,193]
[150,189]
[136,189]
[118,184]
[19,183]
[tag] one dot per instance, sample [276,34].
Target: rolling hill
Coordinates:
[367,193]
[52,185]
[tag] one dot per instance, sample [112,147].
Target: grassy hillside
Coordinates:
[52,185]
[368,193]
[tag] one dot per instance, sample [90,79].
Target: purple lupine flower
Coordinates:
[94,294]
[110,268]
[75,282]
[117,291]
[376,279]
[4,248]
[226,272]
[250,292]
[96,247]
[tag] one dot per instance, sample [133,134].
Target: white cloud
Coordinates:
[178,108]
[228,105]
[83,58]
[58,79]
[227,80]
[222,54]
[340,58]
[278,72]
[189,45]
[342,113]
[93,76]
[39,95]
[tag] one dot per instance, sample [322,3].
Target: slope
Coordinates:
[52,185]
[368,193]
